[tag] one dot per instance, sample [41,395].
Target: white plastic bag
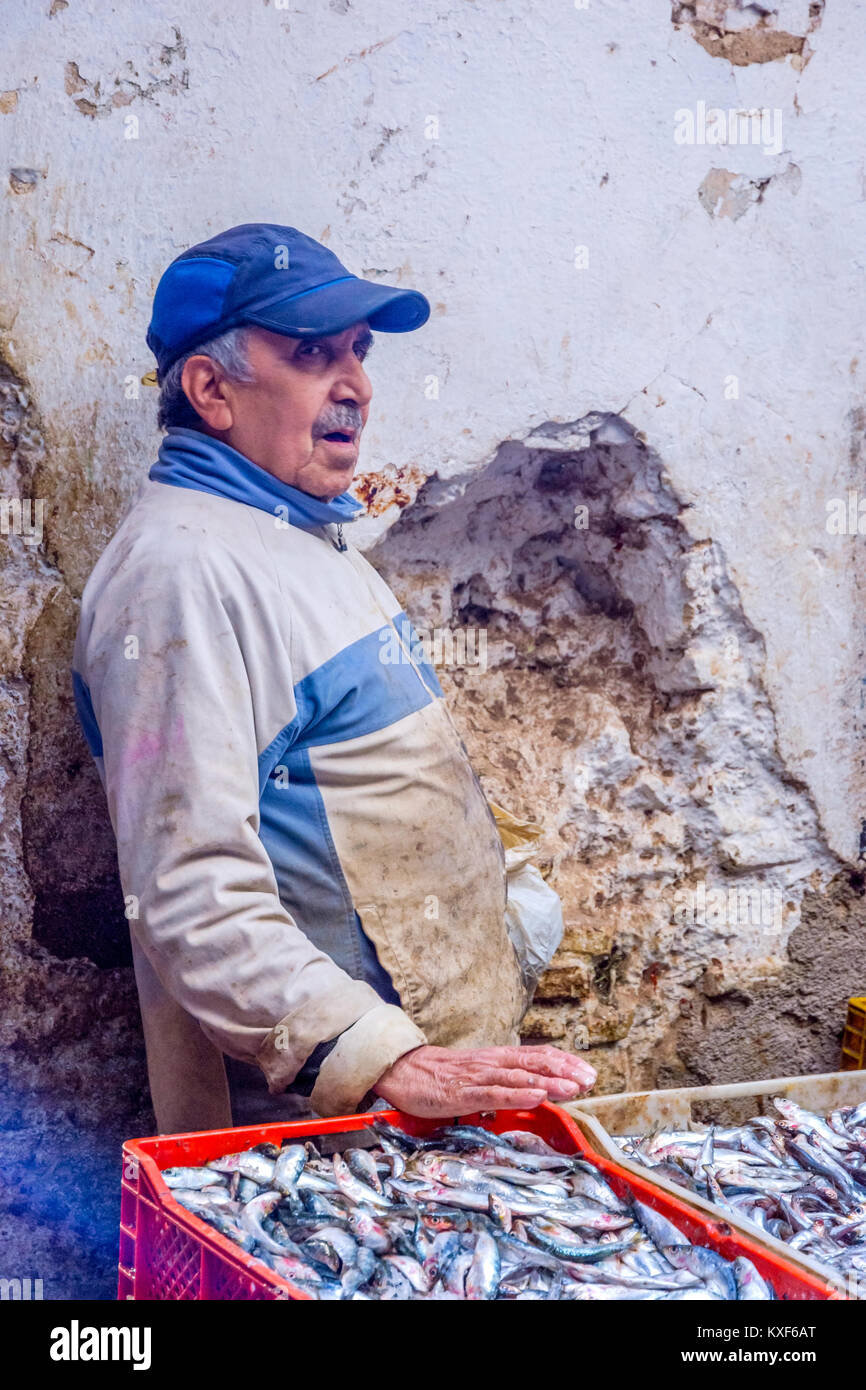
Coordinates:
[533,913]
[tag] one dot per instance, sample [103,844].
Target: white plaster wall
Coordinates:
[556,129]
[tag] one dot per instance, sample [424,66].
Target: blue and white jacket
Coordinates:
[310,867]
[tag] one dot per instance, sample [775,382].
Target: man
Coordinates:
[313,878]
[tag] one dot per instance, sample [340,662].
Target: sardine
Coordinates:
[482,1277]
[192,1179]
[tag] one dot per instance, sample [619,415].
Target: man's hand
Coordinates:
[435,1082]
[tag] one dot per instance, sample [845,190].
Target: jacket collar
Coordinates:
[188,458]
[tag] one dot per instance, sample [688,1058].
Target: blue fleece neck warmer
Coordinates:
[188,458]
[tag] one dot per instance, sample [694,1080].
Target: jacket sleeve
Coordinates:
[167,658]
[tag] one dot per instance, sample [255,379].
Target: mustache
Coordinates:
[340,417]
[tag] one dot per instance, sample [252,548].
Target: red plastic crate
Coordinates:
[166,1253]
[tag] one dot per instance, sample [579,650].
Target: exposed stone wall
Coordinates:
[72,1079]
[622,705]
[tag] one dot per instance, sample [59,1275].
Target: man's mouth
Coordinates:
[341,441]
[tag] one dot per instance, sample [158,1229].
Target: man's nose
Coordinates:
[352,382]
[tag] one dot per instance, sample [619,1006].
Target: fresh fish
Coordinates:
[467,1214]
[353,1188]
[457,1138]
[369,1230]
[317,1204]
[540,1183]
[192,1178]
[555,1243]
[482,1277]
[252,1216]
[315,1182]
[609,1293]
[714,1272]
[408,1143]
[550,1164]
[456,1273]
[750,1285]
[389,1283]
[443,1248]
[800,1177]
[359,1272]
[812,1156]
[257,1165]
[702,1295]
[206,1199]
[660,1230]
[524,1142]
[500,1212]
[344,1245]
[412,1271]
[714,1187]
[362,1163]
[295,1270]
[806,1123]
[585,1182]
[705,1158]
[288,1168]
[245,1188]
[394,1164]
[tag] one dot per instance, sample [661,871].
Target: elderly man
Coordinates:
[313,878]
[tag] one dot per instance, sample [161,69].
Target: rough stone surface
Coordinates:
[666,334]
[792,1020]
[623,707]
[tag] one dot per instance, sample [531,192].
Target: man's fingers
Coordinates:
[560,1087]
[549,1061]
[475,1098]
[562,1075]
[514,1078]
[565,1088]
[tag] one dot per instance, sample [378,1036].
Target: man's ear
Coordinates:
[204,387]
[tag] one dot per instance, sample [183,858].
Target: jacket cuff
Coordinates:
[360,1057]
[288,1045]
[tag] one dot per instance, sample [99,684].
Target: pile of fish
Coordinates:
[801,1178]
[462,1214]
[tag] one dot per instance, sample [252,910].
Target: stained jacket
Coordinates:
[311,872]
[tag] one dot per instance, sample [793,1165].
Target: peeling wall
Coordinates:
[642,238]
[622,704]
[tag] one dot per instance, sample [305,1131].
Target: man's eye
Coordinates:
[309,348]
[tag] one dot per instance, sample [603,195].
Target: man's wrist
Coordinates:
[384,1078]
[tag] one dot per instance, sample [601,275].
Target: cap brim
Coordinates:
[334,307]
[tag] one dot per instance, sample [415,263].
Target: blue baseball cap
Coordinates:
[274,277]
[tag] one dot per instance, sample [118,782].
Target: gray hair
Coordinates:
[229,350]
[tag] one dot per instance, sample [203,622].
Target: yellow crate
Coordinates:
[854,1037]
